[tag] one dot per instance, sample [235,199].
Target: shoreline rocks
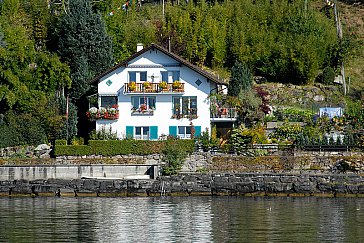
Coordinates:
[227,184]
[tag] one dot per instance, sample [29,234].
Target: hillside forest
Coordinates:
[49,50]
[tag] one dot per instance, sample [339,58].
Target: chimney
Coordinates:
[139,47]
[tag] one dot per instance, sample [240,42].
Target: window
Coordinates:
[170,76]
[108,101]
[142,133]
[148,102]
[185,105]
[143,76]
[184,131]
[134,75]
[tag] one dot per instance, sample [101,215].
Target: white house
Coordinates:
[150,103]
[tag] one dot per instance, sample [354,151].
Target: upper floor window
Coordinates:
[137,76]
[108,101]
[170,76]
[186,105]
[143,103]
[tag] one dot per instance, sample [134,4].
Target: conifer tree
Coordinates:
[241,79]
[84,45]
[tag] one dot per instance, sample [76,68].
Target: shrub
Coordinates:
[78,141]
[328,75]
[60,142]
[122,147]
[287,132]
[173,155]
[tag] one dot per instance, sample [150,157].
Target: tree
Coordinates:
[84,45]
[241,79]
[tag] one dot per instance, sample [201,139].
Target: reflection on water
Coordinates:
[182,219]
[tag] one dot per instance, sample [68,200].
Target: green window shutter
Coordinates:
[173,131]
[129,131]
[197,131]
[153,131]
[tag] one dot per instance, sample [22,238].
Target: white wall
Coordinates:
[163,112]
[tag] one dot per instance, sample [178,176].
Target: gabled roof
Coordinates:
[170,54]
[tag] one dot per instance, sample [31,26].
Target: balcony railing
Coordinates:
[153,88]
[230,113]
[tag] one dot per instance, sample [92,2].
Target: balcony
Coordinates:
[190,114]
[153,88]
[224,114]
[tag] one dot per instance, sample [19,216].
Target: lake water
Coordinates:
[182,219]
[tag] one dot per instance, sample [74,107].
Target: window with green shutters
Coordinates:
[184,132]
[142,133]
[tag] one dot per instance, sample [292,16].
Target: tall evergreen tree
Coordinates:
[241,79]
[84,45]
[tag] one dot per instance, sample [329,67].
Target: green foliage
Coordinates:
[83,44]
[8,137]
[241,79]
[58,142]
[174,156]
[78,141]
[124,147]
[328,75]
[287,132]
[293,115]
[249,107]
[241,137]
[128,29]
[28,129]
[208,142]
[69,127]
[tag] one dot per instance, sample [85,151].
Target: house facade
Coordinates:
[155,93]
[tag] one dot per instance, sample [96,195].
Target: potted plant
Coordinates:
[132,86]
[143,107]
[163,85]
[146,85]
[176,84]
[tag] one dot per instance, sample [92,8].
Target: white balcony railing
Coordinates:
[230,113]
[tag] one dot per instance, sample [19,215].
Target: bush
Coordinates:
[73,150]
[78,141]
[173,155]
[328,75]
[60,142]
[8,136]
[122,147]
[287,132]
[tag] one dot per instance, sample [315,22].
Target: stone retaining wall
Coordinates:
[245,184]
[45,172]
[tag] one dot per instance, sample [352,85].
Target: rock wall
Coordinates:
[244,184]
[45,172]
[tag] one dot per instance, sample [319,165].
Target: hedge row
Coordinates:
[122,147]
[60,142]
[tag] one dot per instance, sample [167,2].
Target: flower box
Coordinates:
[110,113]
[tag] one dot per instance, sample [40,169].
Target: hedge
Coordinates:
[121,147]
[72,150]
[60,142]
